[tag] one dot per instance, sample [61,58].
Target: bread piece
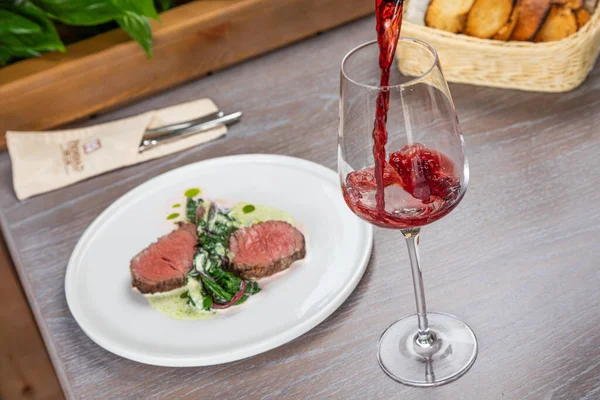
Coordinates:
[590,5]
[532,14]
[487,17]
[561,22]
[448,15]
[508,28]
[415,10]
[572,4]
[583,16]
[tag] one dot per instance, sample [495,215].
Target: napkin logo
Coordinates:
[72,156]
[92,146]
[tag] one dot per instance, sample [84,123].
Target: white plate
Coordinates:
[97,283]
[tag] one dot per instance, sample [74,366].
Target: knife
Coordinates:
[157,136]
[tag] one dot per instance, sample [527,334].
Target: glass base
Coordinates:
[448,358]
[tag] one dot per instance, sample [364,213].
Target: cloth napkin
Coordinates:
[45,161]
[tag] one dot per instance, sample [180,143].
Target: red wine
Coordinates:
[420,187]
[389,22]
[425,174]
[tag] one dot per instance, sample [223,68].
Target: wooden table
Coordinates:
[518,260]
[26,372]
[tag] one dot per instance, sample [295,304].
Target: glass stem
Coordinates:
[425,337]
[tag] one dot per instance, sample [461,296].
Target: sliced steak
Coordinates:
[266,248]
[163,265]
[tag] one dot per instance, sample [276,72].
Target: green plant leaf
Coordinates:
[4,59]
[29,44]
[81,12]
[19,51]
[140,7]
[14,23]
[139,29]
[166,4]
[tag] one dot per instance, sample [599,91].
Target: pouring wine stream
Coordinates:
[389,22]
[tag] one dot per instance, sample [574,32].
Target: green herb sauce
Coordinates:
[176,205]
[174,305]
[249,214]
[173,216]
[248,209]
[191,193]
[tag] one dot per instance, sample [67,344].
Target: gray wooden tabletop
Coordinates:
[519,260]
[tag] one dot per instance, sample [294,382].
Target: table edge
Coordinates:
[24,279]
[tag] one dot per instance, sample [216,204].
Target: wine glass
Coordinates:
[423,175]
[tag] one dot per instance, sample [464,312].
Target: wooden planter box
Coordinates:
[110,69]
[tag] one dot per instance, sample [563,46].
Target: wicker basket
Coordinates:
[542,67]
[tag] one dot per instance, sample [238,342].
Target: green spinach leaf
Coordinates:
[216,290]
[191,208]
